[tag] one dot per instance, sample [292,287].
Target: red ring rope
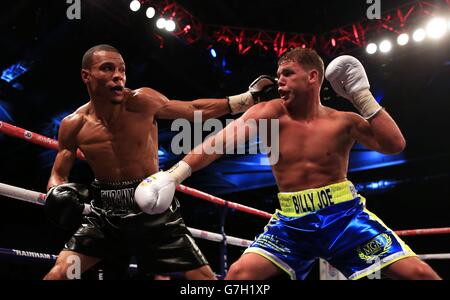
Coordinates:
[52,144]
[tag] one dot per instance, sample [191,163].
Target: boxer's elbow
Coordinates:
[394,146]
[399,145]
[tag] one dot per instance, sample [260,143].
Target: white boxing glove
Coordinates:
[349,80]
[155,193]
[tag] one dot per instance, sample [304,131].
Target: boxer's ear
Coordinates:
[85,75]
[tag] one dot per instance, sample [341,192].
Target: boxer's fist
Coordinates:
[65,205]
[263,88]
[155,193]
[348,78]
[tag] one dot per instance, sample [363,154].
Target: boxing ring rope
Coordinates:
[35,197]
[25,255]
[52,257]
[426,231]
[32,137]
[39,198]
[47,142]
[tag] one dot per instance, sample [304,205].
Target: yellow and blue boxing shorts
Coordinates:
[332,223]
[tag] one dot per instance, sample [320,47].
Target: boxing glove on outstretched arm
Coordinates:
[263,88]
[349,80]
[155,193]
[65,205]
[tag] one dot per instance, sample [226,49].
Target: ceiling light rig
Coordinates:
[394,28]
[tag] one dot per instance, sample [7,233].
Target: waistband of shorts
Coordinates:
[115,198]
[115,184]
[295,204]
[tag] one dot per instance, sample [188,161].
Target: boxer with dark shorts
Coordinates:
[117,132]
[116,227]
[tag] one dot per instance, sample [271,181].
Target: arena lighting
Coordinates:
[333,42]
[371,48]
[403,39]
[213,52]
[4,113]
[436,28]
[225,70]
[135,5]
[337,41]
[377,185]
[187,28]
[14,71]
[17,86]
[170,25]
[161,23]
[378,94]
[161,152]
[150,12]
[419,35]
[385,46]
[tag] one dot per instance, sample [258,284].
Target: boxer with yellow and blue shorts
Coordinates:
[332,223]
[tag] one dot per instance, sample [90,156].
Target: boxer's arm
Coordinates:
[209,108]
[152,102]
[199,157]
[263,88]
[379,133]
[155,193]
[66,155]
[227,139]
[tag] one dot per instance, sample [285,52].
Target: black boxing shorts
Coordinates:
[117,229]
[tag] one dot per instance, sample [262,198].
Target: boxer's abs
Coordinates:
[117,169]
[122,159]
[312,154]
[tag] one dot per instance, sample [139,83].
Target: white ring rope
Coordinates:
[22,194]
[52,257]
[435,256]
[39,198]
[47,142]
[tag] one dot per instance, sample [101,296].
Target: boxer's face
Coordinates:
[292,80]
[106,77]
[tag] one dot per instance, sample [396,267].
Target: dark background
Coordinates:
[414,82]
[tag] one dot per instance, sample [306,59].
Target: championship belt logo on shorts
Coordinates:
[376,247]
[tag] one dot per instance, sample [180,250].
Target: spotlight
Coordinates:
[371,48]
[170,25]
[436,28]
[419,35]
[135,5]
[150,12]
[187,28]
[385,46]
[333,42]
[161,23]
[403,39]
[213,52]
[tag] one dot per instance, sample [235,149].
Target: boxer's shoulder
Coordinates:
[144,99]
